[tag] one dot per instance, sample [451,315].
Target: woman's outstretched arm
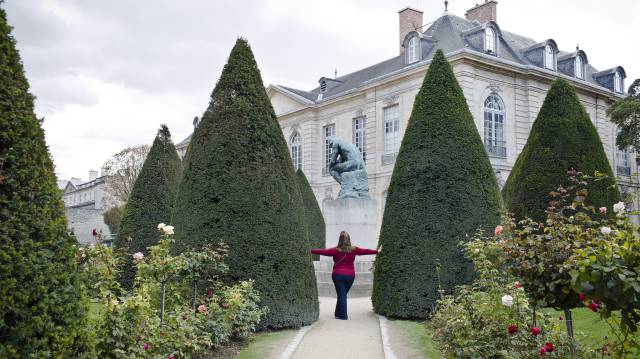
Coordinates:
[324,252]
[364,251]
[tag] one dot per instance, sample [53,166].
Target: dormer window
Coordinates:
[579,67]
[490,40]
[413,50]
[549,57]
[617,82]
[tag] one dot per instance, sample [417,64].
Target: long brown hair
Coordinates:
[344,243]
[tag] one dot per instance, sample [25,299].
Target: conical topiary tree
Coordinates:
[239,186]
[42,310]
[442,189]
[151,202]
[561,137]
[316,228]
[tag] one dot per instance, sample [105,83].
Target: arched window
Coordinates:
[579,67]
[490,40]
[296,150]
[549,57]
[617,82]
[413,50]
[494,120]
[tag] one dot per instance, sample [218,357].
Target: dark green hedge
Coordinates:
[239,186]
[150,202]
[561,137]
[442,189]
[315,221]
[43,313]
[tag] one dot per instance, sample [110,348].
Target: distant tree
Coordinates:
[315,221]
[150,203]
[442,189]
[625,114]
[121,171]
[239,186]
[42,308]
[561,138]
[112,218]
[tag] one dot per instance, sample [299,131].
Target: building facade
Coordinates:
[504,77]
[85,204]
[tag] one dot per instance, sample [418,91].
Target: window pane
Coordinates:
[392,129]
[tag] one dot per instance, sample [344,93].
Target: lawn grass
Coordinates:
[588,328]
[267,344]
[416,335]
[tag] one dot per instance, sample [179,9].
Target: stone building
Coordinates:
[85,202]
[504,77]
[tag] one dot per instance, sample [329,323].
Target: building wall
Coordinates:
[522,95]
[83,220]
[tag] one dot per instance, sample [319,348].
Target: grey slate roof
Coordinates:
[451,33]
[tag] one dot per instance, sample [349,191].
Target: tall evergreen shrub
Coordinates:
[239,186]
[42,310]
[151,202]
[562,137]
[442,189]
[313,215]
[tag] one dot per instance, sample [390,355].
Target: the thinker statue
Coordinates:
[347,168]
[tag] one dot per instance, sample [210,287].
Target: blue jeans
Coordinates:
[343,284]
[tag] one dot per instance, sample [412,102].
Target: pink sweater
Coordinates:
[342,261]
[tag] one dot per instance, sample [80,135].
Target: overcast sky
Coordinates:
[106,74]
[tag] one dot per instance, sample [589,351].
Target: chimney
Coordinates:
[93,174]
[410,19]
[483,12]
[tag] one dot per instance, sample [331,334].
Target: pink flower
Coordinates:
[138,256]
[517,285]
[543,351]
[171,356]
[594,306]
[203,309]
[603,210]
[512,329]
[549,347]
[146,346]
[498,231]
[535,331]
[582,297]
[562,317]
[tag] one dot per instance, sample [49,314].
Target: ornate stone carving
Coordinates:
[494,88]
[391,100]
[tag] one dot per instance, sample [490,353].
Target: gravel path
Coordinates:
[358,337]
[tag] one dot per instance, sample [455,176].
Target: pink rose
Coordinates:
[535,331]
[203,309]
[543,351]
[549,347]
[603,210]
[138,256]
[498,231]
[517,285]
[146,346]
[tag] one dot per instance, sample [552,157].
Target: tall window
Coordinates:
[623,167]
[490,40]
[391,130]
[579,67]
[549,61]
[413,50]
[494,127]
[358,135]
[296,150]
[617,82]
[328,132]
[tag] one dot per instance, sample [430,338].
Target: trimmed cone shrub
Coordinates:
[150,203]
[561,137]
[442,189]
[239,186]
[42,308]
[313,215]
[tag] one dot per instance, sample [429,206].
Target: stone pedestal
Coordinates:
[359,217]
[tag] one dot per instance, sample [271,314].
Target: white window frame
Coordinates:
[413,50]
[296,150]
[359,135]
[549,57]
[490,40]
[494,126]
[617,82]
[327,132]
[579,67]
[391,129]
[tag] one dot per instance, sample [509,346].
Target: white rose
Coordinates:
[605,230]
[507,300]
[618,207]
[161,225]
[168,229]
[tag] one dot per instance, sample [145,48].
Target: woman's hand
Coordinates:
[379,249]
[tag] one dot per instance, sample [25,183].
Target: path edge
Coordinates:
[295,342]
[386,343]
